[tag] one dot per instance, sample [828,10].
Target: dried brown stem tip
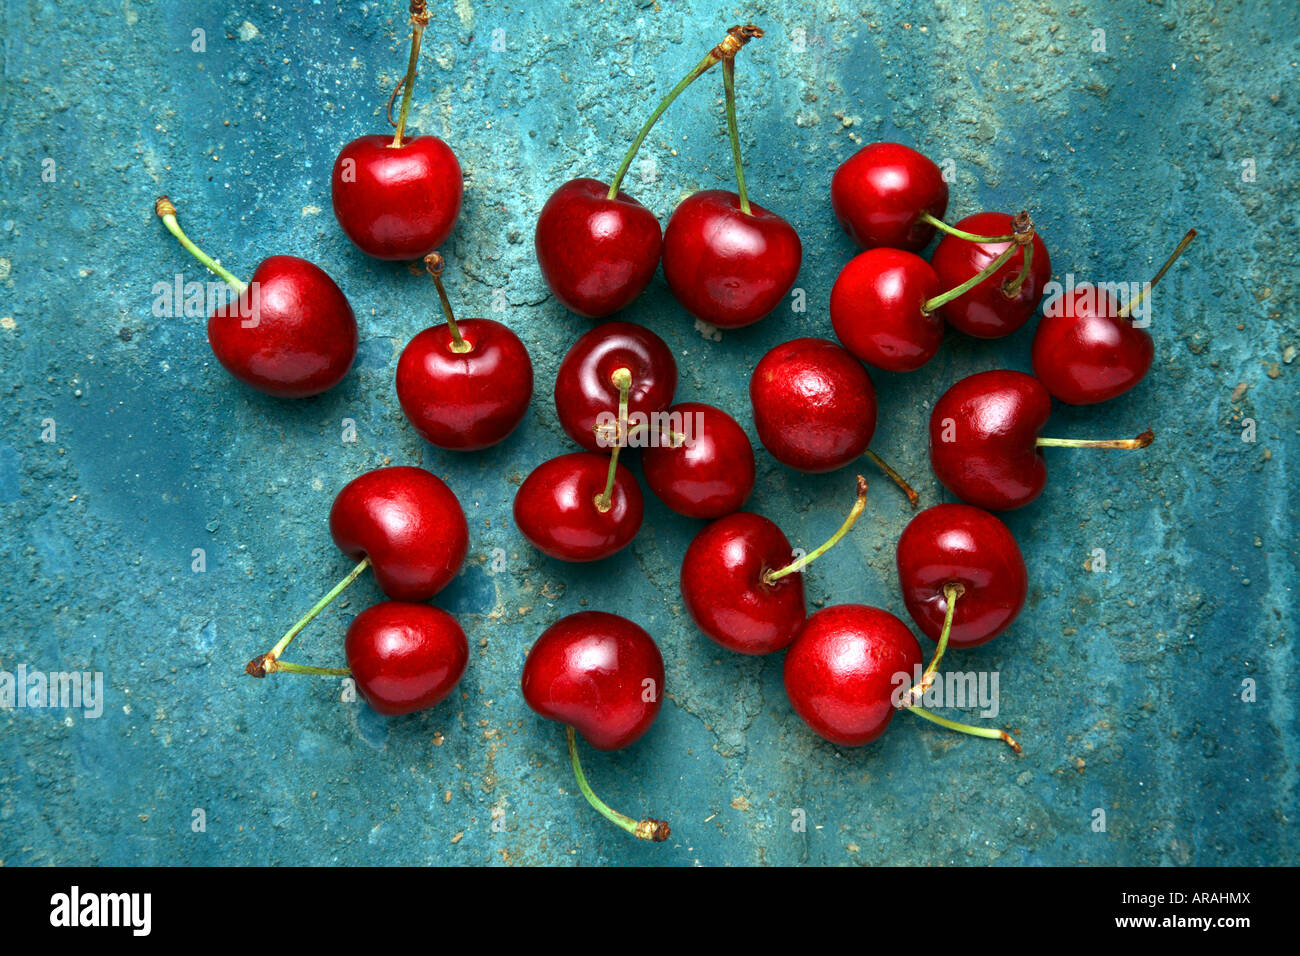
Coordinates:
[1022,227]
[433,263]
[419,14]
[257,666]
[736,38]
[163,207]
[1146,438]
[656,830]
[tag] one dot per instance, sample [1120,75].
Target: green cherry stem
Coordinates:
[894,476]
[960,233]
[1141,441]
[622,379]
[1011,288]
[167,213]
[647,829]
[771,577]
[433,265]
[270,662]
[736,38]
[990,733]
[1127,310]
[419,20]
[733,130]
[951,592]
[1023,235]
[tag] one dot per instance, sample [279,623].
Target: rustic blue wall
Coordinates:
[1124,687]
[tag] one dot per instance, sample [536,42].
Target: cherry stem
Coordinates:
[989,733]
[622,379]
[270,662]
[1173,257]
[951,592]
[1011,288]
[433,265]
[419,20]
[735,39]
[898,479]
[1141,441]
[647,829]
[1022,235]
[733,130]
[167,213]
[942,226]
[771,577]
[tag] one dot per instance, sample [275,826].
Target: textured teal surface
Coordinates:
[1124,687]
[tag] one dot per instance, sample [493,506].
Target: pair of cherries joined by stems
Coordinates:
[727,260]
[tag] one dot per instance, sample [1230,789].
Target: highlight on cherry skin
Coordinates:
[602,676]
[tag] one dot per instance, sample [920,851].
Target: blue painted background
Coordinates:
[1124,687]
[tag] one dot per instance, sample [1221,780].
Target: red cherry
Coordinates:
[289,333]
[405,657]
[878,309]
[880,193]
[997,306]
[408,524]
[742,585]
[602,675]
[557,507]
[464,385]
[709,472]
[847,668]
[814,405]
[585,389]
[984,441]
[596,253]
[396,202]
[726,266]
[1086,347]
[971,553]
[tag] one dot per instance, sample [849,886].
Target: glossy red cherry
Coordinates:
[742,584]
[464,385]
[701,464]
[725,266]
[845,669]
[1087,348]
[585,389]
[290,332]
[814,405]
[597,253]
[973,555]
[409,525]
[397,197]
[984,441]
[1003,302]
[881,192]
[405,657]
[878,309]
[557,507]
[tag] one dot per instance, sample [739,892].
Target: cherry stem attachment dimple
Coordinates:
[951,592]
[270,662]
[733,130]
[894,476]
[419,20]
[989,733]
[622,379]
[735,39]
[166,211]
[771,577]
[433,264]
[1011,288]
[942,226]
[647,829]
[1128,308]
[1023,235]
[1141,441]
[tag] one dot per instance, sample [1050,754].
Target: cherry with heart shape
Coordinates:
[743,585]
[1004,300]
[597,247]
[464,385]
[889,195]
[290,331]
[701,464]
[398,198]
[603,676]
[1087,348]
[850,668]
[579,507]
[960,556]
[405,657]
[984,439]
